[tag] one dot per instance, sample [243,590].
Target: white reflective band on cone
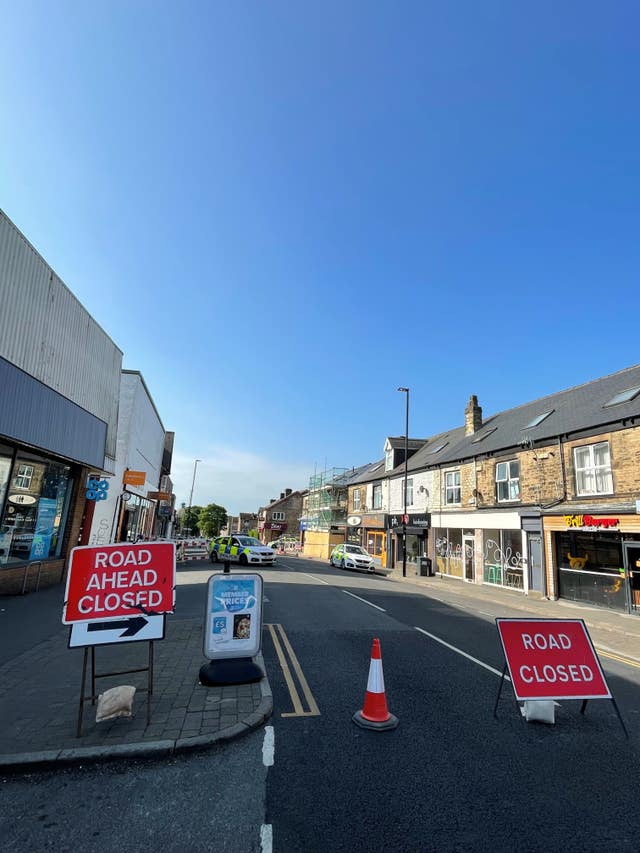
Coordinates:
[375,684]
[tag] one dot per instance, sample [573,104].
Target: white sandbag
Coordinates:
[116,702]
[540,711]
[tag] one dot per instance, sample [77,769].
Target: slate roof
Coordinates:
[577,409]
[396,442]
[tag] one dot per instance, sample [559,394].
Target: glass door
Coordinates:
[632,571]
[376,546]
[468,549]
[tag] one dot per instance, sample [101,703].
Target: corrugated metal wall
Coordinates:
[46,332]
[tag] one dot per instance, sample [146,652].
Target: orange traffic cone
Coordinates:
[375,714]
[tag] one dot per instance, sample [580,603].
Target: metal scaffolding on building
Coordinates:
[327,500]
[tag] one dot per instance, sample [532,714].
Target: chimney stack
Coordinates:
[281,495]
[472,416]
[287,492]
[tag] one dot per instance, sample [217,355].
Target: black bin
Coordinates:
[425,568]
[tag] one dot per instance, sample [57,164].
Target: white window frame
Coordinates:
[409,491]
[356,499]
[512,482]
[594,471]
[388,459]
[450,488]
[24,476]
[277,515]
[377,492]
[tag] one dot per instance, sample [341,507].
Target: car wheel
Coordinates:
[243,560]
[342,564]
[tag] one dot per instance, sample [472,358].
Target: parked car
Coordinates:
[244,550]
[352,557]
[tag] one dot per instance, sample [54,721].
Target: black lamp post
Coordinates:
[404,503]
[193,482]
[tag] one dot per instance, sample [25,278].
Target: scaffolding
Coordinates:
[327,500]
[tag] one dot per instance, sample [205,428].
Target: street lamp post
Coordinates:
[193,482]
[404,503]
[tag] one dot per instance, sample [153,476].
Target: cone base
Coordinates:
[361,721]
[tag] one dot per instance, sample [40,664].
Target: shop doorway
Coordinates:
[468,549]
[536,575]
[377,546]
[632,571]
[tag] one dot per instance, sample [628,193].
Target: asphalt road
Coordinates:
[450,777]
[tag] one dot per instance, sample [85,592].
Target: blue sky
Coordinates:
[283,211]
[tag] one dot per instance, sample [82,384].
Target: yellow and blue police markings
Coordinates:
[244,549]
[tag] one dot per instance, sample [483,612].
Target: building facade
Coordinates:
[281,517]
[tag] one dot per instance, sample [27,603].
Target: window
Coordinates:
[452,487]
[410,491]
[377,496]
[484,435]
[356,498]
[538,419]
[508,481]
[623,397]
[593,469]
[277,516]
[23,477]
[388,459]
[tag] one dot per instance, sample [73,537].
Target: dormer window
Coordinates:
[388,459]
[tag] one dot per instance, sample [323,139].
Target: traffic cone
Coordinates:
[375,714]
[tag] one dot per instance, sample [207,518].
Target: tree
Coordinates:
[211,519]
[190,521]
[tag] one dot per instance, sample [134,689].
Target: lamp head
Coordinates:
[403,389]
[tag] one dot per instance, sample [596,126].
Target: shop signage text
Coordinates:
[119,580]
[233,626]
[22,499]
[551,659]
[158,496]
[134,478]
[412,520]
[590,521]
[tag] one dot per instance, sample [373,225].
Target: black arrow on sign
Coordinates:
[132,626]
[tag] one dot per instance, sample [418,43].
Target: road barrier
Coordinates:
[192,549]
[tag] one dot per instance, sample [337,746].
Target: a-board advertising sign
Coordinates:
[551,659]
[128,629]
[233,623]
[114,581]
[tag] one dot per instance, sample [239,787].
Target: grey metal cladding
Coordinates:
[34,414]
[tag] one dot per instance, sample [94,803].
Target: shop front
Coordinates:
[480,547]
[416,530]
[373,534]
[595,559]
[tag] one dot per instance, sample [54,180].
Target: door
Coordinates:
[376,546]
[536,574]
[468,550]
[632,571]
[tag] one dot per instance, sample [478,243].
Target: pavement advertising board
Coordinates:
[551,659]
[233,624]
[114,581]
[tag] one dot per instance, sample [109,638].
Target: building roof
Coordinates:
[397,442]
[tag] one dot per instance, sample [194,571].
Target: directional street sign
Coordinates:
[115,581]
[127,630]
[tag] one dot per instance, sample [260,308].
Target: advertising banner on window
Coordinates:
[233,627]
[45,522]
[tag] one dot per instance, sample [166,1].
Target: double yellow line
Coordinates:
[619,658]
[281,644]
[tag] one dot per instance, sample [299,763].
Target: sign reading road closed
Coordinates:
[113,581]
[551,659]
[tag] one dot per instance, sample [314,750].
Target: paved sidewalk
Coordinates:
[40,691]
[611,631]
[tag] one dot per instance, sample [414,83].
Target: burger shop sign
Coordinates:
[112,581]
[588,521]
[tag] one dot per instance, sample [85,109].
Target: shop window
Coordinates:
[452,487]
[508,481]
[448,545]
[502,558]
[34,515]
[377,496]
[593,469]
[410,491]
[356,499]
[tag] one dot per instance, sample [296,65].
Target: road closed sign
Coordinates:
[551,659]
[113,581]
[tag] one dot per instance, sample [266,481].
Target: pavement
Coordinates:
[40,677]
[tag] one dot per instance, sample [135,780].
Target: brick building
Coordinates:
[281,517]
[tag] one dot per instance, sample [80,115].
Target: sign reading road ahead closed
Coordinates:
[113,581]
[551,659]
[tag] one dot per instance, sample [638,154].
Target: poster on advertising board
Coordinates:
[233,626]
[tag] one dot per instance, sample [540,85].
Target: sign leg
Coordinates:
[495,709]
[624,728]
[81,705]
[583,707]
[150,682]
[93,675]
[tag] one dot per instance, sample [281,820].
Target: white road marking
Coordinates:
[464,654]
[266,838]
[268,746]
[316,579]
[346,592]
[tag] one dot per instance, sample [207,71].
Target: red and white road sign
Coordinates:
[112,581]
[551,659]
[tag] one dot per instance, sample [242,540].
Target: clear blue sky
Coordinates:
[281,211]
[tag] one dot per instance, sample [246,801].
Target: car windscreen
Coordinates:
[355,549]
[248,541]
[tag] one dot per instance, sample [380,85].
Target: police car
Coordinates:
[352,557]
[244,550]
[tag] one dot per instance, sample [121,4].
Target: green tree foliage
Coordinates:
[190,521]
[211,519]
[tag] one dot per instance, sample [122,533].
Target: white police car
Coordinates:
[352,557]
[244,550]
